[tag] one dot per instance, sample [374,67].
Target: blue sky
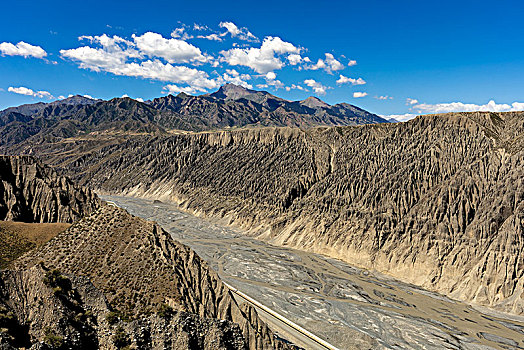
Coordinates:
[389,57]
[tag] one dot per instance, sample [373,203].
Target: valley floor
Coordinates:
[346,306]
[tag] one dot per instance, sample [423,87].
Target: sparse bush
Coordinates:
[53,340]
[165,311]
[112,317]
[120,338]
[55,280]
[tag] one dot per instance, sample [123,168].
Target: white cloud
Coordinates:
[234,77]
[295,87]
[316,86]
[411,101]
[491,106]
[400,117]
[22,49]
[236,32]
[172,50]
[359,94]
[261,60]
[271,76]
[294,59]
[213,37]
[28,92]
[118,56]
[180,33]
[199,27]
[384,97]
[352,63]
[175,89]
[345,80]
[329,64]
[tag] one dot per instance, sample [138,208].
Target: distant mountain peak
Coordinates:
[77,100]
[233,92]
[314,102]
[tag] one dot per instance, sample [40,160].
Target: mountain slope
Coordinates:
[139,268]
[436,201]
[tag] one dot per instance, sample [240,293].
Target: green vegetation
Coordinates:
[120,338]
[165,311]
[59,283]
[112,317]
[53,340]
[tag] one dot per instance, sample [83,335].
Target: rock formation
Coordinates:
[437,201]
[42,308]
[158,291]
[32,192]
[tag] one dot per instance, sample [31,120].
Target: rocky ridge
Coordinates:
[142,276]
[31,192]
[231,106]
[436,201]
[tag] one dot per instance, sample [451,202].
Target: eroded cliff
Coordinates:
[32,192]
[140,269]
[437,201]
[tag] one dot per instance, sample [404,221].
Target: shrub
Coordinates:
[120,338]
[55,280]
[112,317]
[52,340]
[165,311]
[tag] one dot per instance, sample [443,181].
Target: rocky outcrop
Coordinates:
[140,269]
[437,201]
[32,192]
[45,309]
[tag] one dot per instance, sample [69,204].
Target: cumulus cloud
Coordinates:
[352,63]
[123,57]
[329,64]
[271,76]
[346,80]
[175,89]
[262,60]
[317,87]
[400,117]
[359,94]
[234,77]
[172,50]
[180,33]
[22,49]
[28,92]
[295,87]
[491,106]
[236,32]
[200,27]
[411,101]
[295,59]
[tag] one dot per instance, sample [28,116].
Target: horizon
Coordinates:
[410,60]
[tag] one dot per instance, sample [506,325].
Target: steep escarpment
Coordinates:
[32,192]
[140,269]
[436,201]
[43,308]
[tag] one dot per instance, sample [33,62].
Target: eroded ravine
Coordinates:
[349,307]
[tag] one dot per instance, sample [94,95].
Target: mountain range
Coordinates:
[231,106]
